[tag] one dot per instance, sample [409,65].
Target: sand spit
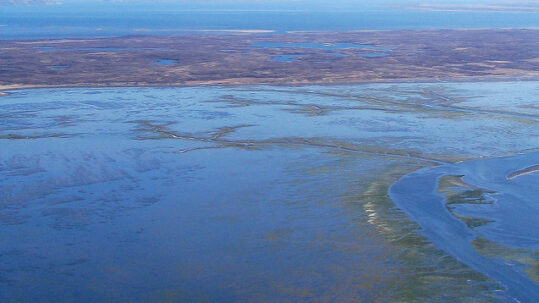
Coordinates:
[522,172]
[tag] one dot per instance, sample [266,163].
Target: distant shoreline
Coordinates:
[144,32]
[4,89]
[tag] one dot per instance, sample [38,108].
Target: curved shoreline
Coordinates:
[416,194]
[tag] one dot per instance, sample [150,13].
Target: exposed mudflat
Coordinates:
[270,193]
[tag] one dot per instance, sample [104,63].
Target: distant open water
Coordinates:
[89,20]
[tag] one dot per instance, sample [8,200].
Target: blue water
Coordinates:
[510,206]
[262,193]
[58,67]
[324,46]
[164,62]
[294,57]
[87,20]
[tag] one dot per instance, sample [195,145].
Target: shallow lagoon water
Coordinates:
[249,193]
[484,208]
[164,62]
[324,46]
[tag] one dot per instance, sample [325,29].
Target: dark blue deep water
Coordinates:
[127,19]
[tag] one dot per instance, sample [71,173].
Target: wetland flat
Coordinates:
[278,59]
[270,193]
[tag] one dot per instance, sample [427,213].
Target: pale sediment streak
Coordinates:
[522,172]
